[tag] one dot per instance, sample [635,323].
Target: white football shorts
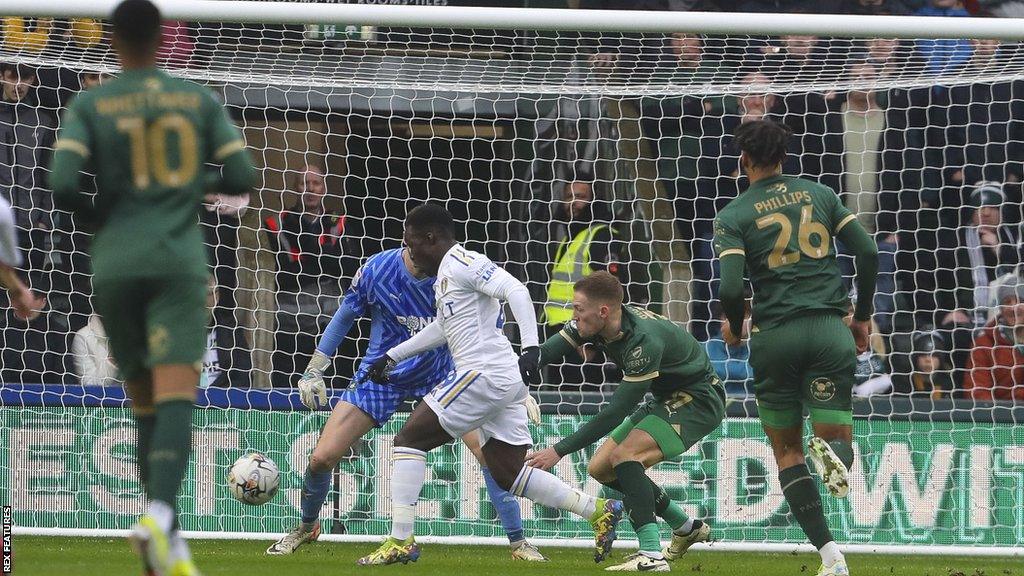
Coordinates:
[470,400]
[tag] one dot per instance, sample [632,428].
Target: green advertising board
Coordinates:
[914,482]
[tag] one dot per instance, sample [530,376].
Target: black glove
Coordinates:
[529,365]
[381,369]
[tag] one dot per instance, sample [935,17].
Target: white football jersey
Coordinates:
[469,292]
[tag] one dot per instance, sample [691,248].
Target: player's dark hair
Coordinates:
[602,286]
[431,218]
[137,23]
[763,141]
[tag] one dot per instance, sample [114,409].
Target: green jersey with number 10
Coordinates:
[148,137]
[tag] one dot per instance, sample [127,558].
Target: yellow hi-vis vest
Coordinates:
[572,263]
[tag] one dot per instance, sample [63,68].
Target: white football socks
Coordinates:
[549,490]
[163,513]
[685,529]
[830,554]
[407,477]
[179,548]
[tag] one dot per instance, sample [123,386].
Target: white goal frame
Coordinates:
[549,20]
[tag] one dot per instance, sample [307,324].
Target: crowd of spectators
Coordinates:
[934,172]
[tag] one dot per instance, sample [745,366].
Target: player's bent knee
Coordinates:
[321,463]
[504,476]
[621,454]
[601,470]
[478,454]
[401,440]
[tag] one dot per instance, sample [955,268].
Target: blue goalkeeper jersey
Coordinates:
[399,306]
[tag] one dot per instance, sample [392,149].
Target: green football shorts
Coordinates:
[679,421]
[809,362]
[153,321]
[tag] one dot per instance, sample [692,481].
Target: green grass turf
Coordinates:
[57,556]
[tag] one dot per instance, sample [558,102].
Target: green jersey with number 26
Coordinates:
[784,226]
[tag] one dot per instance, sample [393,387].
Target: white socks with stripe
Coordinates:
[407,477]
[549,490]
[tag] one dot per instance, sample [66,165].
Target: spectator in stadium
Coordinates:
[27,135]
[316,251]
[90,351]
[27,132]
[948,271]
[90,79]
[227,361]
[816,120]
[719,181]
[931,373]
[1014,277]
[985,123]
[995,370]
[887,56]
[634,57]
[220,221]
[983,249]
[582,242]
[731,363]
[878,8]
[676,126]
[863,122]
[944,55]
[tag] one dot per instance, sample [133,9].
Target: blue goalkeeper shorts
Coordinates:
[380,401]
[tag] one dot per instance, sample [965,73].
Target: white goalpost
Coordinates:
[500,113]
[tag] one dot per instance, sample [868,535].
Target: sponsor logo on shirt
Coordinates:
[414,323]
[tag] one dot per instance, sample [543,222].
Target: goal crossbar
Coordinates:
[851,26]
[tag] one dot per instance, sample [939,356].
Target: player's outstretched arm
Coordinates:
[865,257]
[427,339]
[626,398]
[555,348]
[312,388]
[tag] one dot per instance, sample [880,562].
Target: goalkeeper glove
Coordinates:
[312,390]
[532,409]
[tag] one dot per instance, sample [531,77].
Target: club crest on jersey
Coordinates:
[823,389]
[637,358]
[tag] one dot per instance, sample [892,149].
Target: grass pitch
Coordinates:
[60,556]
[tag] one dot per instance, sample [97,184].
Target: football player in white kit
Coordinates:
[485,391]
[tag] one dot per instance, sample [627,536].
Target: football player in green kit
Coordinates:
[656,356]
[148,138]
[780,231]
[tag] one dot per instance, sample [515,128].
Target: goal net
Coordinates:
[557,139]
